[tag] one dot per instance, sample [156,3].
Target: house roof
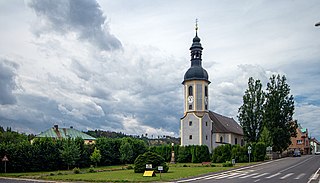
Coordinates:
[223,124]
[64,133]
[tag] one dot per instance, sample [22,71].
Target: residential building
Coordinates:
[301,142]
[199,125]
[65,133]
[314,145]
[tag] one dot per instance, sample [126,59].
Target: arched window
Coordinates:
[190,91]
[221,139]
[206,91]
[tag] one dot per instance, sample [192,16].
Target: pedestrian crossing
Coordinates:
[252,175]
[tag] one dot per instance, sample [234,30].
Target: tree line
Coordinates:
[47,154]
[266,116]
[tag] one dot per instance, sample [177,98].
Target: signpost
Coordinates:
[249,152]
[160,168]
[5,159]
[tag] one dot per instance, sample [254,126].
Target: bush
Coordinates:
[221,154]
[76,170]
[259,151]
[129,167]
[91,169]
[227,164]
[149,158]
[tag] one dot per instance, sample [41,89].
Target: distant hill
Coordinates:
[159,140]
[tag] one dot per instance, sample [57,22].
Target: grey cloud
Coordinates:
[7,81]
[84,17]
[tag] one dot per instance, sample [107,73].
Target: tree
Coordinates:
[95,156]
[251,112]
[279,109]
[149,158]
[265,137]
[126,152]
[70,152]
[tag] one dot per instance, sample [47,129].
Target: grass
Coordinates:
[120,174]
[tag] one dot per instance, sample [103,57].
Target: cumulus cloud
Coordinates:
[84,18]
[7,81]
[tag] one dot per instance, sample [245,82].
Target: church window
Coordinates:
[242,142]
[221,139]
[190,123]
[190,91]
[190,137]
[236,141]
[206,137]
[206,107]
[206,123]
[190,107]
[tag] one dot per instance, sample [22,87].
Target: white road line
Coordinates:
[296,164]
[286,176]
[273,175]
[257,180]
[299,176]
[250,175]
[314,176]
[263,174]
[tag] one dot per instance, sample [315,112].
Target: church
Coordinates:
[199,125]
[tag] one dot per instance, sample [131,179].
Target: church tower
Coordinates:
[196,124]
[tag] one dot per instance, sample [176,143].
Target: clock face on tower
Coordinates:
[190,99]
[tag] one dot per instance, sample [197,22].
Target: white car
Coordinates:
[317,153]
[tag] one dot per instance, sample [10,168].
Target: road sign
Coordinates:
[249,149]
[148,166]
[5,158]
[269,148]
[160,168]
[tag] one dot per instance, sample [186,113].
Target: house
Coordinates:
[301,142]
[65,133]
[315,145]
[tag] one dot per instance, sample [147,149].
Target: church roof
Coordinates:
[223,124]
[64,133]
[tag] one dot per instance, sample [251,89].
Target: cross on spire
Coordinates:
[196,27]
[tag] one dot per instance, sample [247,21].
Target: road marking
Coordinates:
[296,164]
[260,175]
[250,175]
[299,176]
[273,175]
[257,180]
[288,175]
[242,168]
[314,176]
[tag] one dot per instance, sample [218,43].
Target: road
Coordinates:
[305,169]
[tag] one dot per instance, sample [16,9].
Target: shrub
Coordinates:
[91,169]
[129,167]
[185,165]
[213,165]
[149,158]
[227,164]
[76,170]
[259,151]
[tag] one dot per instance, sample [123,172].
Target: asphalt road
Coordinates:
[305,169]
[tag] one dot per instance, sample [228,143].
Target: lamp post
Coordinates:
[172,154]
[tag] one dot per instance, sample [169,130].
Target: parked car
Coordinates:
[317,153]
[297,153]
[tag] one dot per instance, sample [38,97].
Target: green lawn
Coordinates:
[120,174]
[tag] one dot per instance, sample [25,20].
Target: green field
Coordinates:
[121,174]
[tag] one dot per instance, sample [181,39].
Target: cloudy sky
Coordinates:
[118,65]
